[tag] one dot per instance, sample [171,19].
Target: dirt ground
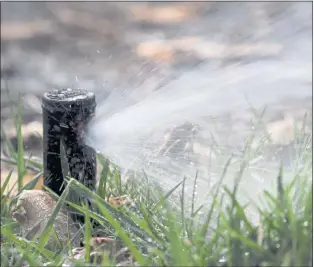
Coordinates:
[105,45]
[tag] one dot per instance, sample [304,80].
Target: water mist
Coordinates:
[190,115]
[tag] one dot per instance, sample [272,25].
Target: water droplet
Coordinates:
[64,125]
[222,260]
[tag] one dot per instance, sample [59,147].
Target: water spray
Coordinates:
[66,113]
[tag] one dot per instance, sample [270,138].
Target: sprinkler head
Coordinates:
[66,113]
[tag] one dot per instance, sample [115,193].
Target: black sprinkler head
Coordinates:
[66,113]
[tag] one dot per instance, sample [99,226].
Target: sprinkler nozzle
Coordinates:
[66,113]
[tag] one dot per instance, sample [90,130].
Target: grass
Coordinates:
[156,233]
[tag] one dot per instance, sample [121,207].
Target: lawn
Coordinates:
[148,230]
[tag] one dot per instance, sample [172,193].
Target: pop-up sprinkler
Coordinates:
[66,113]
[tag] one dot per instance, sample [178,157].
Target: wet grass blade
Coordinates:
[121,233]
[87,234]
[204,228]
[194,193]
[24,243]
[146,225]
[197,210]
[102,187]
[118,183]
[280,189]
[161,202]
[240,210]
[180,257]
[182,203]
[125,220]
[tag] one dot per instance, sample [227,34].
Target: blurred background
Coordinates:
[104,46]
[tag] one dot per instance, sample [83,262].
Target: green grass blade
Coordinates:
[20,149]
[6,182]
[204,228]
[102,187]
[87,235]
[8,144]
[182,203]
[179,255]
[32,165]
[194,193]
[121,233]
[25,243]
[49,226]
[240,210]
[31,184]
[161,202]
[81,189]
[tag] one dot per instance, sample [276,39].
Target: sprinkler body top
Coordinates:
[66,113]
